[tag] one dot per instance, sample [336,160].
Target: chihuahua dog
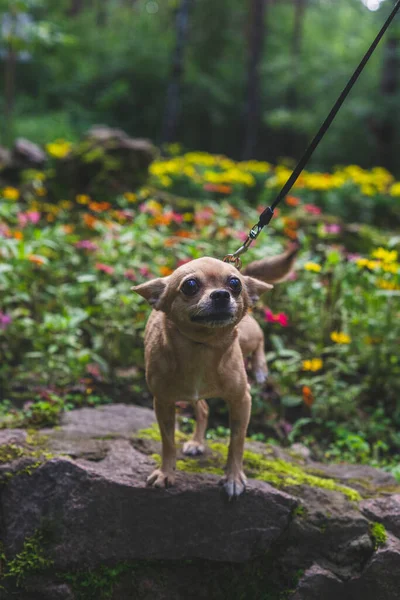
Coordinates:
[196,340]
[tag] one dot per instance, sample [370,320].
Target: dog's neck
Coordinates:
[207,336]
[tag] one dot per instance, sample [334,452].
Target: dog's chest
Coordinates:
[197,374]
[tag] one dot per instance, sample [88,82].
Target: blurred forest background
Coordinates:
[247,78]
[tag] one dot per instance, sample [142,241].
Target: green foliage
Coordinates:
[378,534]
[96,584]
[30,560]
[128,54]
[67,266]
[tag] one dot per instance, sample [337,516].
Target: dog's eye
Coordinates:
[235,284]
[190,287]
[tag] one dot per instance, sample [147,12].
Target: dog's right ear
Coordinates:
[152,291]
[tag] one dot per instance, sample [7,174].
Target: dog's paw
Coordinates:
[234,485]
[161,479]
[193,448]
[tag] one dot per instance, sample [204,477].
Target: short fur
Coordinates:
[195,347]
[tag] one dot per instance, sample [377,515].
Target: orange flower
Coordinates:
[18,235]
[183,233]
[164,271]
[171,241]
[99,206]
[37,260]
[290,233]
[89,220]
[68,228]
[292,201]
[163,219]
[308,397]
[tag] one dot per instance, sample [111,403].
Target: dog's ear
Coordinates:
[255,288]
[152,291]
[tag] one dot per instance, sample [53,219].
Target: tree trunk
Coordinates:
[75,8]
[257,34]
[389,91]
[9,84]
[173,100]
[292,98]
[297,38]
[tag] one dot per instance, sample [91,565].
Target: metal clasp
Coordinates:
[235,257]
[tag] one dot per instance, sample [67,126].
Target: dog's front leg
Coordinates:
[195,445]
[165,413]
[234,481]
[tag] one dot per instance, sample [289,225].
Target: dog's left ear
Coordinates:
[152,291]
[255,288]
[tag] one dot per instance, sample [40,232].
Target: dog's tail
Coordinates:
[275,268]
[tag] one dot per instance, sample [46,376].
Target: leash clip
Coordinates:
[235,257]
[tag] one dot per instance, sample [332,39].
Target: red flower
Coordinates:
[312,209]
[280,318]
[105,268]
[130,274]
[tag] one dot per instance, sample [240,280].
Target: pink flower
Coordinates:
[280,318]
[353,257]
[333,228]
[5,320]
[130,274]
[86,245]
[242,236]
[28,217]
[312,209]
[94,370]
[144,271]
[177,218]
[33,217]
[105,268]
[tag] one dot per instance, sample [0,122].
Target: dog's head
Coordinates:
[205,293]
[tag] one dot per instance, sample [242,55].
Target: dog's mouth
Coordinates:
[214,318]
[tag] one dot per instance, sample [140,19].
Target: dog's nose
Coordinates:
[220,296]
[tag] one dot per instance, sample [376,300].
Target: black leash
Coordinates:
[268,213]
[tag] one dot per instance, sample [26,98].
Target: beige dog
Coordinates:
[195,343]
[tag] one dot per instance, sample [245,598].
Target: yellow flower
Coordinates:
[390,268]
[395,190]
[312,266]
[41,191]
[369,264]
[82,199]
[130,197]
[387,285]
[388,256]
[340,338]
[315,364]
[59,148]
[10,193]
[66,204]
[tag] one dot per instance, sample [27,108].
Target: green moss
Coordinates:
[95,584]
[153,433]
[30,560]
[10,452]
[300,511]
[275,471]
[378,534]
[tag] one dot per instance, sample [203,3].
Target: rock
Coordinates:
[380,578]
[27,155]
[95,516]
[107,514]
[106,161]
[385,510]
[318,584]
